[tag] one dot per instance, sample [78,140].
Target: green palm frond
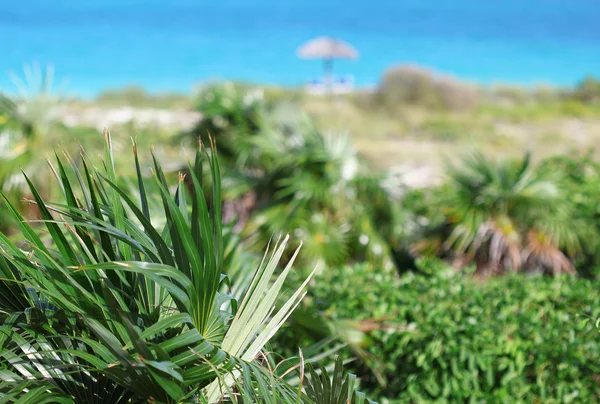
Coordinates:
[493,205]
[145,306]
[336,388]
[504,186]
[326,239]
[37,102]
[33,393]
[231,117]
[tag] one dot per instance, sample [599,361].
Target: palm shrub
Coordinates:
[103,305]
[284,175]
[228,113]
[315,185]
[509,215]
[288,177]
[582,182]
[26,119]
[306,184]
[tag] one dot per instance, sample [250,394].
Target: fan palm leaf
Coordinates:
[497,207]
[336,388]
[146,309]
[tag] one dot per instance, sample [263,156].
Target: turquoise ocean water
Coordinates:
[171,45]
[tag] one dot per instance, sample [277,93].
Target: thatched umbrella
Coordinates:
[328,49]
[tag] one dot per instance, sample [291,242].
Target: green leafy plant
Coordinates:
[26,119]
[286,176]
[228,113]
[413,85]
[315,185]
[337,389]
[510,215]
[103,300]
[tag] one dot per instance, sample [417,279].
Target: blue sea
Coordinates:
[174,44]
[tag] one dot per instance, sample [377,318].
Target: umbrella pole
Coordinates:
[328,73]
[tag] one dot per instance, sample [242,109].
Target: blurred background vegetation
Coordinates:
[455,229]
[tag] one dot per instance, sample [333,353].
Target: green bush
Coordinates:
[588,90]
[229,114]
[508,215]
[413,85]
[514,338]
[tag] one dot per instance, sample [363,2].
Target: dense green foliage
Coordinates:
[509,339]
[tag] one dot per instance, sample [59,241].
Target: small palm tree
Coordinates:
[37,103]
[317,187]
[26,119]
[509,215]
[228,114]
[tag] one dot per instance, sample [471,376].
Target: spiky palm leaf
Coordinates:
[37,102]
[335,389]
[231,117]
[144,310]
[25,120]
